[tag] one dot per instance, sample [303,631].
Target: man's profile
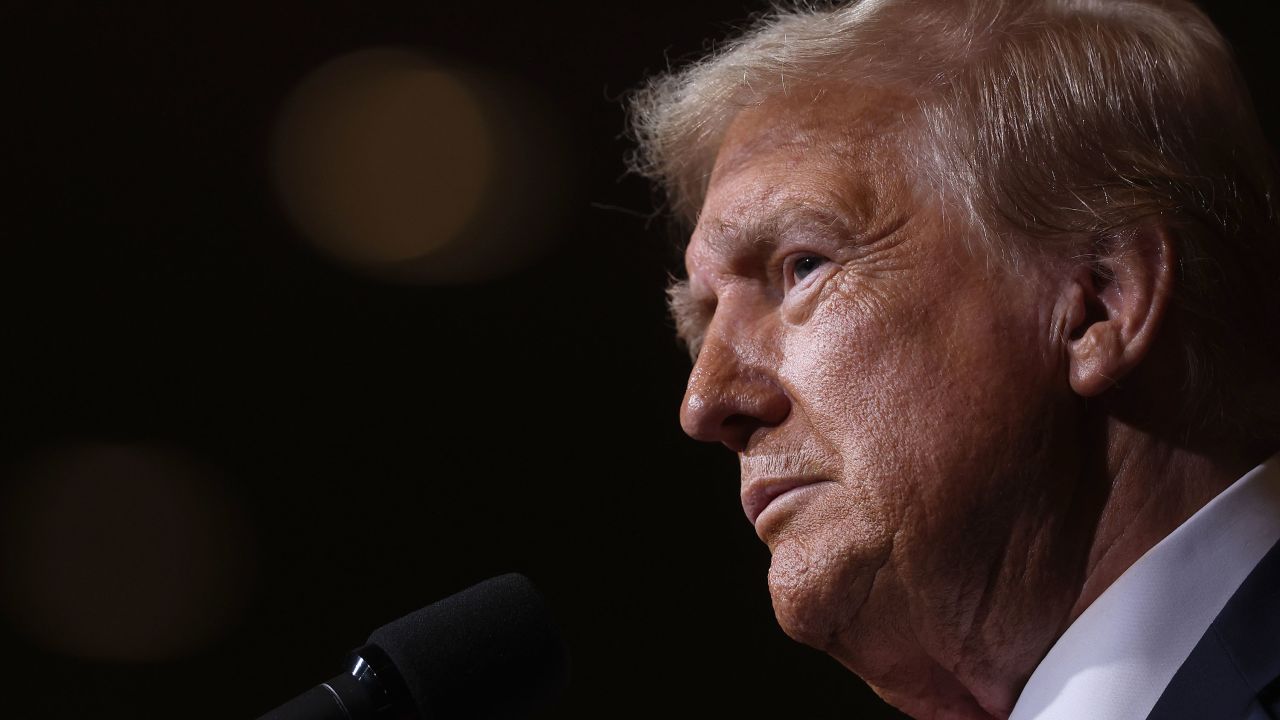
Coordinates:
[983,294]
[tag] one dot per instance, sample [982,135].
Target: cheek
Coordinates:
[927,364]
[846,368]
[916,397]
[858,369]
[922,393]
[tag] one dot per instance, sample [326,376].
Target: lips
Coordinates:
[757,494]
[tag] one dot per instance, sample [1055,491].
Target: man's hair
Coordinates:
[1047,127]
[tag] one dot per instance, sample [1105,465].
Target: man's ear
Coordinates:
[1116,304]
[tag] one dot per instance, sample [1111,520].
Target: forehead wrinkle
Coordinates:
[848,147]
[736,155]
[793,124]
[847,194]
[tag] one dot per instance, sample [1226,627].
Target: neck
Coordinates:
[1145,487]
[1153,487]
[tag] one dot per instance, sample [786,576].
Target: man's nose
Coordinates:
[729,398]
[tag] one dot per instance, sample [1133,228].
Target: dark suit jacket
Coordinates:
[1234,671]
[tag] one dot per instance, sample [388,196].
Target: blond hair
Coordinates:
[1039,123]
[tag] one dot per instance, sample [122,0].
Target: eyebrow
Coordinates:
[691,314]
[726,237]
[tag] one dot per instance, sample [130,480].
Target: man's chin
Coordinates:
[818,595]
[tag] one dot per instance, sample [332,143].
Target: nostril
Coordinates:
[736,431]
[707,420]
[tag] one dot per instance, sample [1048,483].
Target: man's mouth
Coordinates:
[759,494]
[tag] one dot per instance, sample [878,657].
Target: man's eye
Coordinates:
[805,265]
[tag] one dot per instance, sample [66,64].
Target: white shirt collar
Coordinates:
[1116,659]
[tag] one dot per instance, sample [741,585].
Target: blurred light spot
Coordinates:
[382,157]
[116,552]
[414,172]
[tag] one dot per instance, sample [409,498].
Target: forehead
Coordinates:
[825,152]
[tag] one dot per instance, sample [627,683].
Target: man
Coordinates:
[983,296]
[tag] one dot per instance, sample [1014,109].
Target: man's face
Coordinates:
[901,391]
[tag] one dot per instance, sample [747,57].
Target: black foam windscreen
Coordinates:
[490,651]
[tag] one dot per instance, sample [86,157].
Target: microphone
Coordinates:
[490,651]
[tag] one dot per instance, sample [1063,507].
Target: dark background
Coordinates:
[372,446]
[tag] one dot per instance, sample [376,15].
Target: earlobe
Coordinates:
[1116,305]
